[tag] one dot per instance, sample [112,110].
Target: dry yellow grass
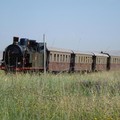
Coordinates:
[93,96]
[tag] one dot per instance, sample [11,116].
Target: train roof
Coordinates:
[53,49]
[59,50]
[113,53]
[91,53]
[83,52]
[100,54]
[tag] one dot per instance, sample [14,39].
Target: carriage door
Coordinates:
[108,63]
[94,63]
[72,62]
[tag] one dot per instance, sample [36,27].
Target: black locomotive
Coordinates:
[28,55]
[22,55]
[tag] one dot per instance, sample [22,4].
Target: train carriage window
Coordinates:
[57,57]
[81,59]
[90,59]
[50,56]
[105,60]
[76,59]
[101,60]
[66,58]
[119,60]
[60,58]
[86,59]
[96,60]
[63,58]
[115,60]
[111,60]
[54,57]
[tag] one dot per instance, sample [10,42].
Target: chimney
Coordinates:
[15,40]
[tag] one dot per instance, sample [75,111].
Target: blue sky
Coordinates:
[85,25]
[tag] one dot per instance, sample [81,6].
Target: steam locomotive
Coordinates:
[28,55]
[23,55]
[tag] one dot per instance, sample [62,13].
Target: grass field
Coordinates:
[94,96]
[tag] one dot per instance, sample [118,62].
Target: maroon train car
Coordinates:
[83,61]
[114,59]
[58,59]
[99,62]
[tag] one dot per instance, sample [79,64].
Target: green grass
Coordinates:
[94,96]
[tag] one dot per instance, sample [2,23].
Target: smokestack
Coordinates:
[15,40]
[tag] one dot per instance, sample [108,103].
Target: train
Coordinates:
[25,55]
